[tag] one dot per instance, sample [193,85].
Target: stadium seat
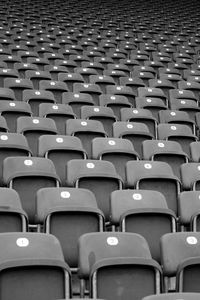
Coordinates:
[26,176]
[60,149]
[86,131]
[98,176]
[117,259]
[154,175]
[32,128]
[180,258]
[34,260]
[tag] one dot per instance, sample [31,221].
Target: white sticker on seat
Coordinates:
[96,109]
[137,196]
[147,166]
[28,162]
[36,121]
[65,194]
[161,145]
[90,165]
[173,127]
[192,240]
[112,241]
[111,143]
[4,137]
[59,140]
[55,107]
[12,104]
[37,93]
[22,242]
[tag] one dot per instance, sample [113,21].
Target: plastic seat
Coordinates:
[118,258]
[154,175]
[10,60]
[165,85]
[32,128]
[86,73]
[35,97]
[140,116]
[7,94]
[26,176]
[70,79]
[135,132]
[68,213]
[117,151]
[18,86]
[12,217]
[149,92]
[167,151]
[93,65]
[37,76]
[177,132]
[116,102]
[100,113]
[7,73]
[70,65]
[193,86]
[60,149]
[36,261]
[79,59]
[122,91]
[40,62]
[60,113]
[189,210]
[11,110]
[174,296]
[143,211]
[145,76]
[134,83]
[89,88]
[86,130]
[153,104]
[182,94]
[190,179]
[102,81]
[177,117]
[115,74]
[180,258]
[77,100]
[173,78]
[98,176]
[57,88]
[55,70]
[23,67]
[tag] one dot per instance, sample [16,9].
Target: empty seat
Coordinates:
[122,90]
[60,113]
[167,151]
[57,88]
[67,213]
[35,97]
[143,211]
[7,73]
[100,113]
[34,260]
[37,76]
[96,175]
[177,117]
[32,128]
[133,131]
[26,176]
[116,102]
[18,86]
[76,101]
[154,104]
[154,175]
[180,258]
[102,81]
[177,132]
[121,262]
[190,175]
[117,151]
[70,79]
[189,210]
[60,149]
[12,217]
[140,116]
[92,89]
[86,130]
[149,92]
